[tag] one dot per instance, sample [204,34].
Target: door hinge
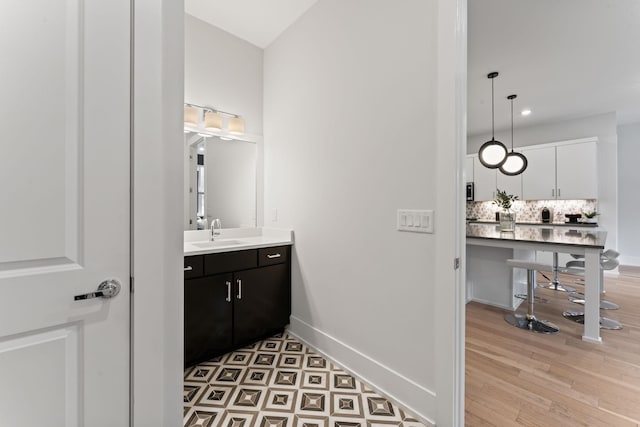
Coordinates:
[456,263]
[130,284]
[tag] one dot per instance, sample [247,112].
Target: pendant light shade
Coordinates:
[212,120]
[236,125]
[492,153]
[190,115]
[515,163]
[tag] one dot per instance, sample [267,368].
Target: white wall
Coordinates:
[628,183]
[350,136]
[225,72]
[157,246]
[602,126]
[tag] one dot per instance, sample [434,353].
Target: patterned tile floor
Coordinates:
[280,382]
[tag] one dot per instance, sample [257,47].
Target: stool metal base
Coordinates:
[578,298]
[530,323]
[605,322]
[558,287]
[535,298]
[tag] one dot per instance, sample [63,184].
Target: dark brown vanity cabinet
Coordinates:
[238,298]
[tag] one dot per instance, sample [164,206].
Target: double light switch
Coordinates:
[418,221]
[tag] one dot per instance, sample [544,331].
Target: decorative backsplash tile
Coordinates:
[530,210]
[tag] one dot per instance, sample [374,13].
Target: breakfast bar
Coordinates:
[488,242]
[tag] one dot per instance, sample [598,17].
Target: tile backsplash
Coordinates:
[530,210]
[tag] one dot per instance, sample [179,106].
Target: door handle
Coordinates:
[239,282]
[228,299]
[107,289]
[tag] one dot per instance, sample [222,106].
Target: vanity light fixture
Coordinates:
[191,114]
[236,125]
[493,153]
[211,120]
[515,163]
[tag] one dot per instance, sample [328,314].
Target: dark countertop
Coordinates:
[549,224]
[540,234]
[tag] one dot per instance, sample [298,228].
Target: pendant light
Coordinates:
[493,153]
[515,163]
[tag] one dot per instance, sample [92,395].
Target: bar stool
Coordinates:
[608,261]
[529,321]
[554,284]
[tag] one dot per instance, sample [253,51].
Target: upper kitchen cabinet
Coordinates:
[510,184]
[468,168]
[484,181]
[576,166]
[562,171]
[539,179]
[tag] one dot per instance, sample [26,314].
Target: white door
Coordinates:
[577,171]
[539,179]
[64,217]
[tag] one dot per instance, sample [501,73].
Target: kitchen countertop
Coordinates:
[197,242]
[554,224]
[540,234]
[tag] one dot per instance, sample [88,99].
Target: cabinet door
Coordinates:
[468,168]
[262,302]
[208,316]
[576,166]
[510,184]
[539,180]
[484,180]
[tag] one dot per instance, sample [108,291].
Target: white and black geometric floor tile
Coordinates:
[280,382]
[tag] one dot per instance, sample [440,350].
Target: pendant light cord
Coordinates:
[493,125]
[512,125]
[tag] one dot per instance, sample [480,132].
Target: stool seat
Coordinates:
[528,265]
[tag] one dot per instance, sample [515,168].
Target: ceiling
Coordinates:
[259,22]
[563,58]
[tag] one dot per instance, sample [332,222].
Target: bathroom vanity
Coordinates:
[237,290]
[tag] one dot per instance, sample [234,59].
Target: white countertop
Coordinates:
[198,242]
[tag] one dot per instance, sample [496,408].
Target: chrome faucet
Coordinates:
[216,227]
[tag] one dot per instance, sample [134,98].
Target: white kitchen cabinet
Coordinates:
[484,181]
[468,168]
[539,179]
[510,184]
[576,176]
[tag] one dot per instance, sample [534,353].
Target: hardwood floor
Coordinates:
[519,378]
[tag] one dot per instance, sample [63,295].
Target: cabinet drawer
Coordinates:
[193,266]
[275,255]
[225,262]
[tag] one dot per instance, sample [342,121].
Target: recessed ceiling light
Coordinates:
[526,112]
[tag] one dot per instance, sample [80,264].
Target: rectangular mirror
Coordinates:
[221,182]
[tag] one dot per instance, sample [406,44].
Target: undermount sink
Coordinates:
[217,243]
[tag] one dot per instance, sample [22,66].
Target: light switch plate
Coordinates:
[415,220]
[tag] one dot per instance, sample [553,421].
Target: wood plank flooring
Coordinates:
[518,378]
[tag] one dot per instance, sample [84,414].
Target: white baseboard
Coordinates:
[632,261]
[416,398]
